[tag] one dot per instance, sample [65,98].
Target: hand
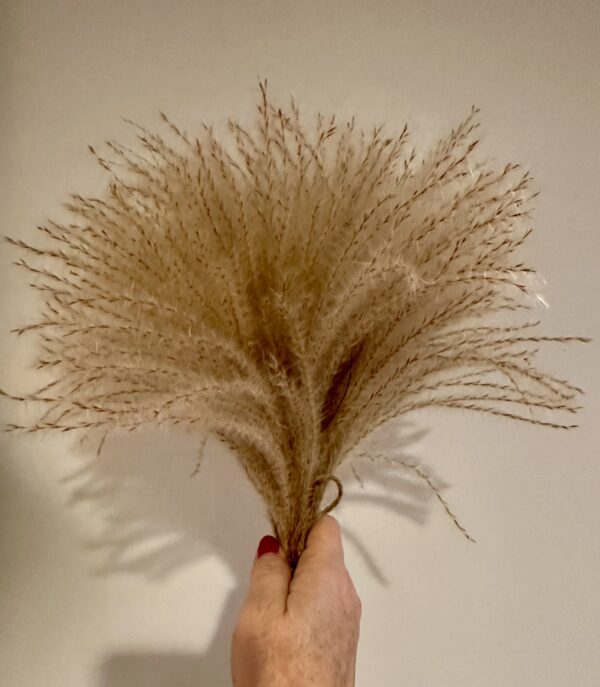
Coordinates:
[303,630]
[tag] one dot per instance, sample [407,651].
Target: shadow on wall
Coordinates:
[155,513]
[158,512]
[157,670]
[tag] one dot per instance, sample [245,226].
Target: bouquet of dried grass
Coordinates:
[289,288]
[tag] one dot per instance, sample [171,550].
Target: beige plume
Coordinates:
[289,287]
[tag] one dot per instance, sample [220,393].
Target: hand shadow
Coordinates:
[156,516]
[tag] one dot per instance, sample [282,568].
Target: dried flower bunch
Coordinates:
[289,287]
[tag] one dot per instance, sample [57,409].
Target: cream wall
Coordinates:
[126,571]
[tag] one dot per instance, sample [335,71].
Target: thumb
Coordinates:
[270,577]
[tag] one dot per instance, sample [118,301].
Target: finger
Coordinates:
[270,577]
[320,576]
[324,543]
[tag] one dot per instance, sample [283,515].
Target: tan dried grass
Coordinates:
[289,289]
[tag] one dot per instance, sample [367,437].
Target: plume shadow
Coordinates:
[156,510]
[154,513]
[379,473]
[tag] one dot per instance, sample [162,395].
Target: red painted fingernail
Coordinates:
[267,544]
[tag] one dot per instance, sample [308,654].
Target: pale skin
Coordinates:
[299,630]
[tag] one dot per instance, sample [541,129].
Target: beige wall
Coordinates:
[124,571]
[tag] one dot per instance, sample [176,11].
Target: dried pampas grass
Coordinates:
[289,289]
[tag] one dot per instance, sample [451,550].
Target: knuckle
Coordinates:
[261,571]
[267,566]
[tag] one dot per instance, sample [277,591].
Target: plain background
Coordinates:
[126,570]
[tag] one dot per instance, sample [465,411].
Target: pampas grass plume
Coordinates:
[289,288]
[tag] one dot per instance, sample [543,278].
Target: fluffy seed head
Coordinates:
[289,287]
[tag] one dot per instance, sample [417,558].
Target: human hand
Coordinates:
[303,630]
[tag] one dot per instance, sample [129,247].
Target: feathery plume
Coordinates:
[289,288]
